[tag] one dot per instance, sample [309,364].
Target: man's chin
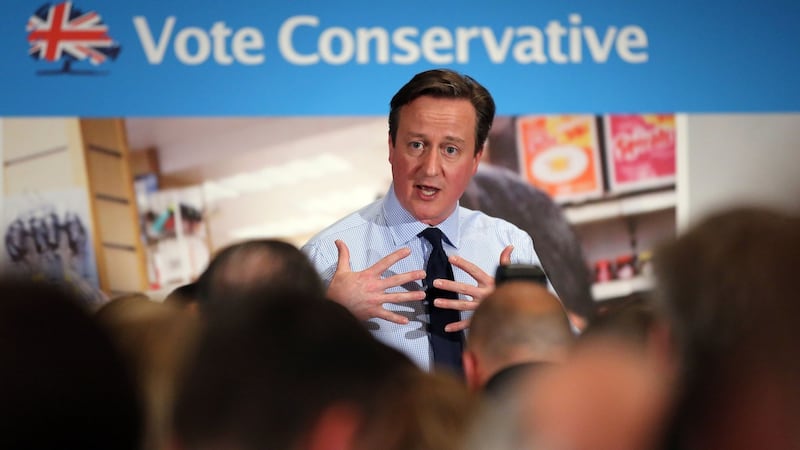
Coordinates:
[427,217]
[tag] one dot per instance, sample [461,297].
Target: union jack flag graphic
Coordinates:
[61,32]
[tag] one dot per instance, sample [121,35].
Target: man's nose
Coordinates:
[431,163]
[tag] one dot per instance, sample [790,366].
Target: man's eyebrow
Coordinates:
[455,139]
[423,136]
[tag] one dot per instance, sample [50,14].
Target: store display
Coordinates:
[175,236]
[644,264]
[626,268]
[603,271]
[639,151]
[560,154]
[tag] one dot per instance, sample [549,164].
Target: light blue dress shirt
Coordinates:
[384,226]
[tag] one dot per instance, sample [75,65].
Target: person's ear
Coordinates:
[335,429]
[391,147]
[477,160]
[471,373]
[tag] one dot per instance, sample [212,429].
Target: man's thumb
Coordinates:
[344,256]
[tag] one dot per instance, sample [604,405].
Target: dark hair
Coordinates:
[502,193]
[631,319]
[182,295]
[729,281]
[728,286]
[257,266]
[264,372]
[444,83]
[63,384]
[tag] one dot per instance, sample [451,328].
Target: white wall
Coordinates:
[736,159]
[272,177]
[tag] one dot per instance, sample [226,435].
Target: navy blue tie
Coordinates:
[447,347]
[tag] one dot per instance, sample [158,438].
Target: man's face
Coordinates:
[433,157]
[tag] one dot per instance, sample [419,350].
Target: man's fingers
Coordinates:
[400,297]
[457,326]
[387,261]
[392,317]
[403,278]
[458,305]
[474,271]
[505,256]
[457,287]
[343,265]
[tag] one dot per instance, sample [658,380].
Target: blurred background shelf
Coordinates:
[620,207]
[621,288]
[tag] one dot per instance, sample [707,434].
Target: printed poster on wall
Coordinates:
[640,151]
[47,236]
[560,154]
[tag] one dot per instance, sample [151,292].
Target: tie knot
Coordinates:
[433,235]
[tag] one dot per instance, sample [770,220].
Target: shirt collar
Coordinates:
[404,227]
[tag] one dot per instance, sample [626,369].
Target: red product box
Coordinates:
[640,151]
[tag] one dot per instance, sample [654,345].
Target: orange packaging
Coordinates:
[560,154]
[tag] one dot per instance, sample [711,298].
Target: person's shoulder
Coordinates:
[345,226]
[479,219]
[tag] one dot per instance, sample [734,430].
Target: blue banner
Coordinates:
[306,57]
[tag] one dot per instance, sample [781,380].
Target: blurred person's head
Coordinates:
[502,193]
[605,396]
[153,337]
[63,384]
[729,289]
[184,296]
[636,320]
[727,284]
[283,372]
[422,411]
[244,268]
[520,322]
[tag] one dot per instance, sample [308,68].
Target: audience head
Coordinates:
[246,268]
[184,296]
[635,320]
[727,284]
[605,396]
[520,322]
[448,84]
[729,289]
[63,383]
[502,193]
[288,371]
[423,411]
[153,338]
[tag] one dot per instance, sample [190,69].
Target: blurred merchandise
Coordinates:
[639,151]
[174,232]
[560,154]
[603,271]
[626,268]
[645,263]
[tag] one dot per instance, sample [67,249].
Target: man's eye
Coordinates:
[451,151]
[416,145]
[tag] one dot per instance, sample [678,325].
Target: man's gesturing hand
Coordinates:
[364,293]
[478,293]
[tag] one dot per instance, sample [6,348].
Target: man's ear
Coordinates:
[477,161]
[471,372]
[391,147]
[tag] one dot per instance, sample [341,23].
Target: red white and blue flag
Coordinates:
[61,32]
